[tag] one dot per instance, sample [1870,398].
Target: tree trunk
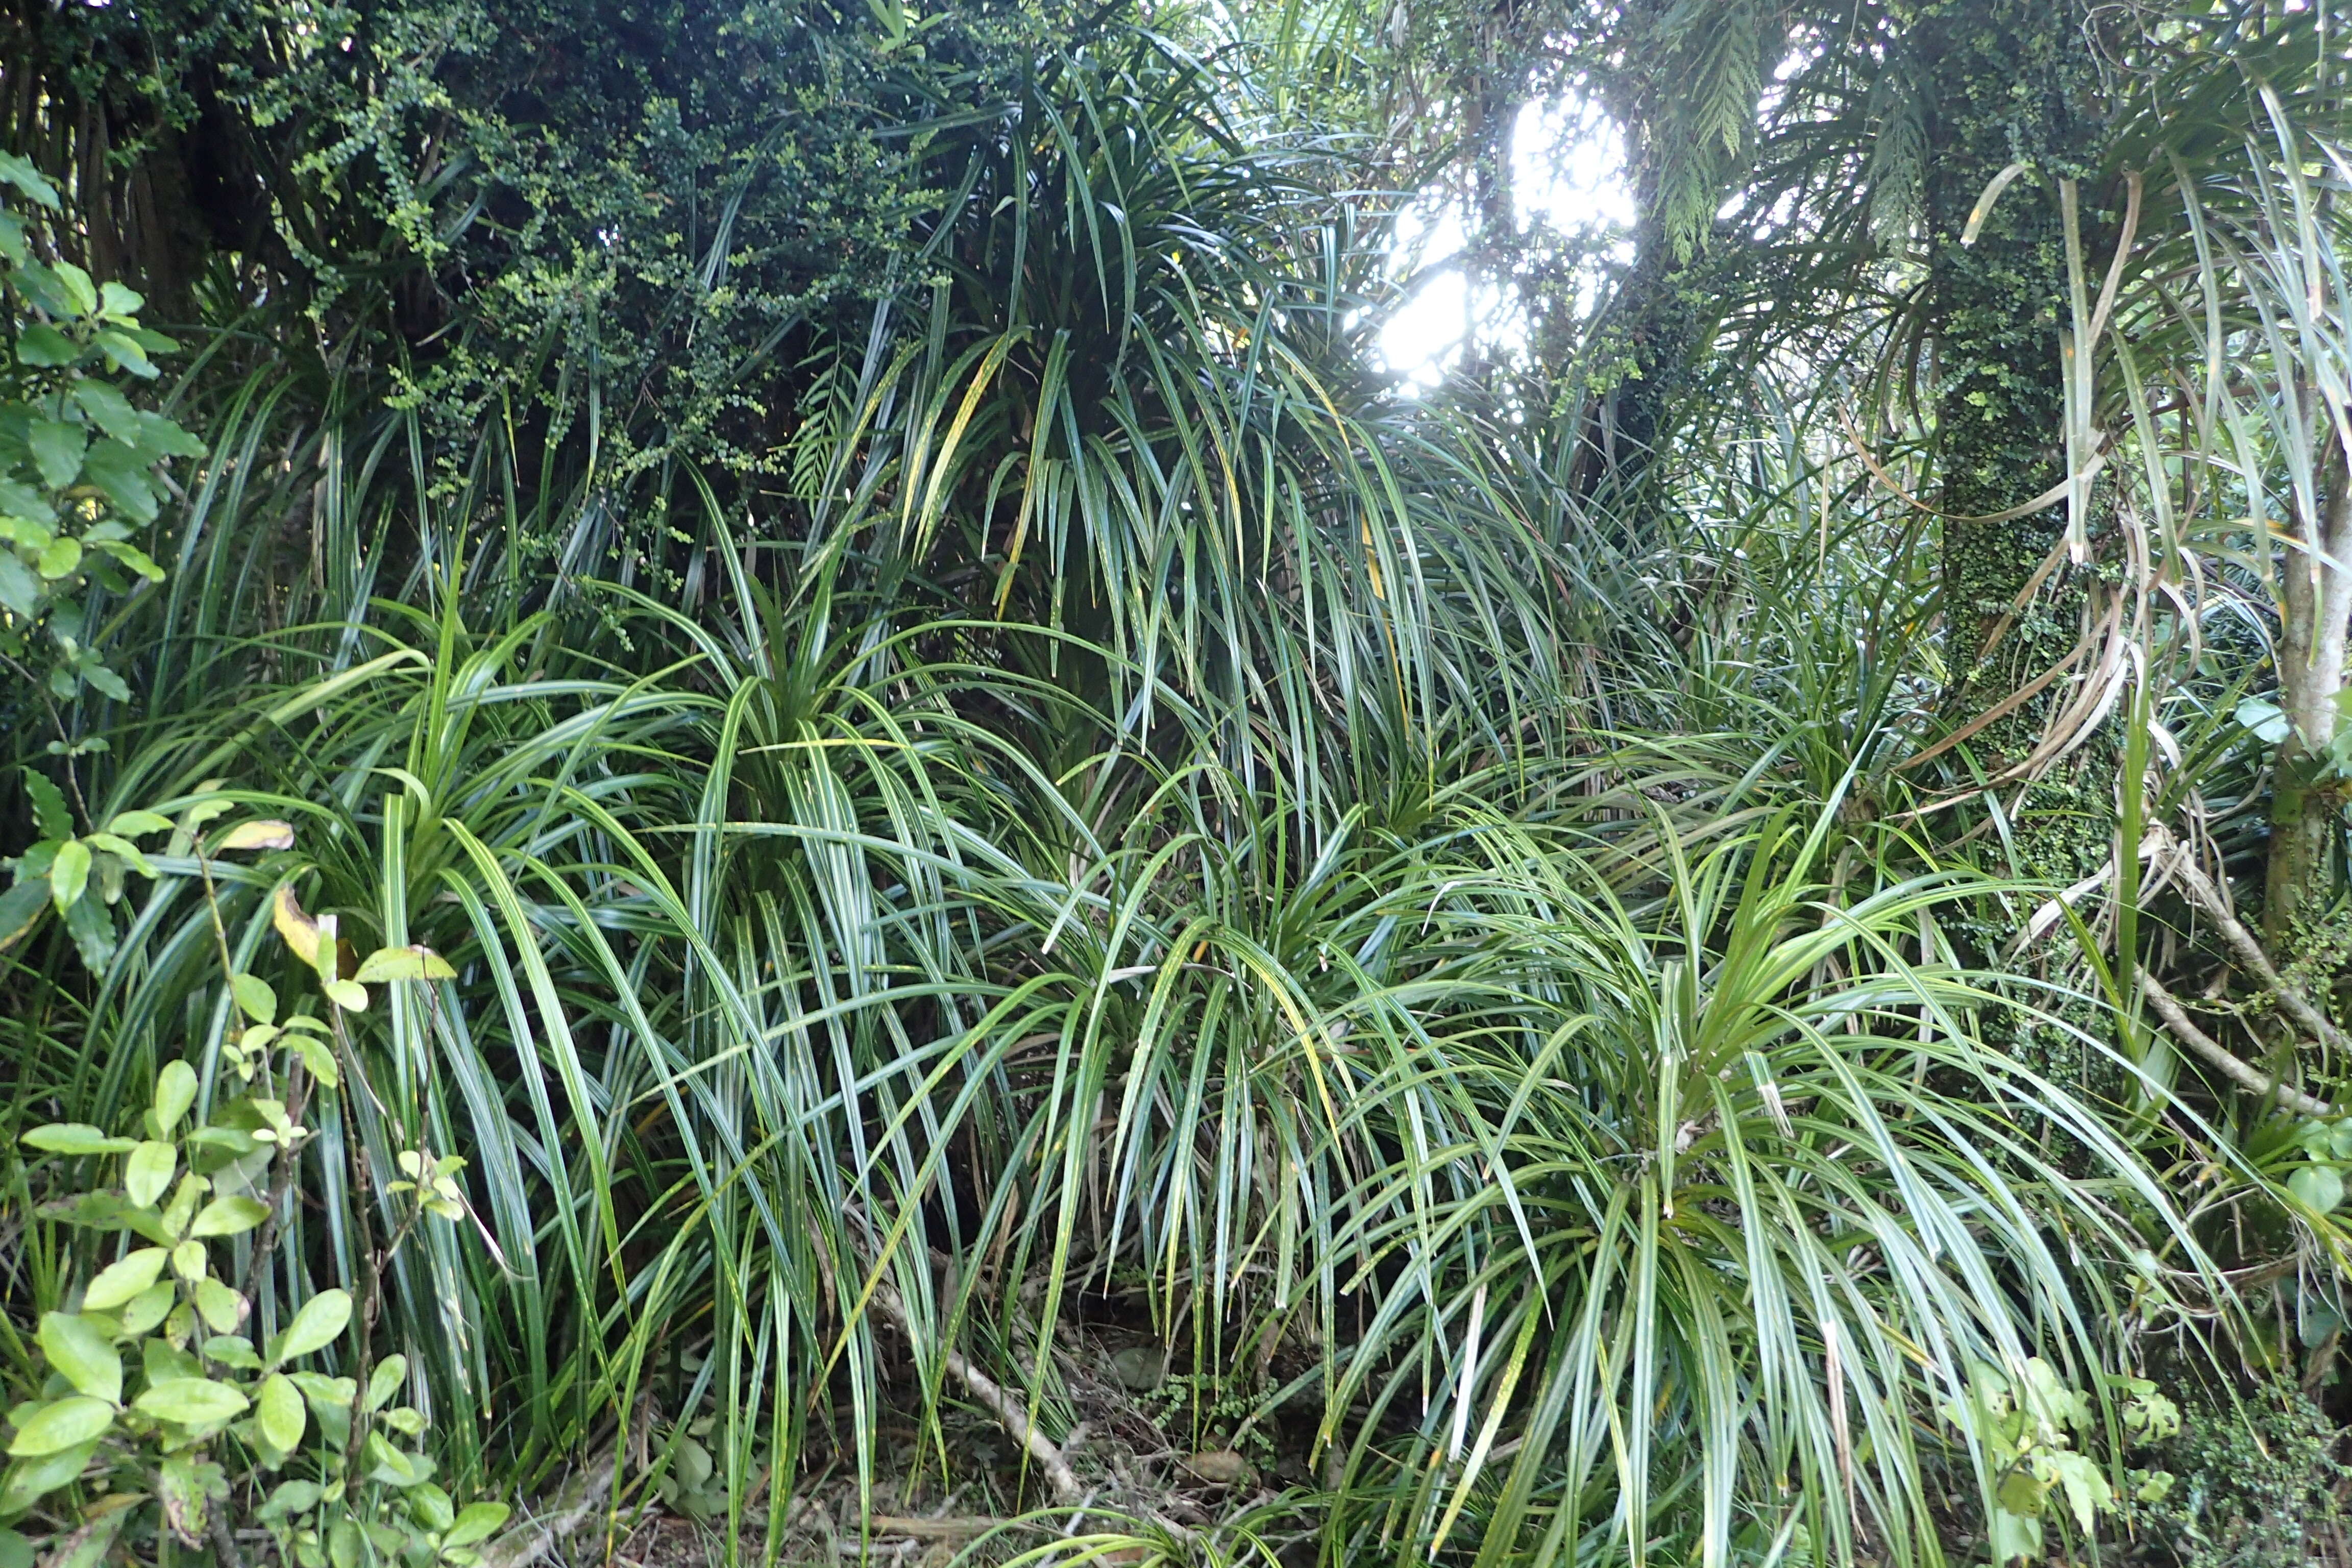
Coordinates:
[2012,82]
[2303,804]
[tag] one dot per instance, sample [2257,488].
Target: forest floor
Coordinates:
[1155,1453]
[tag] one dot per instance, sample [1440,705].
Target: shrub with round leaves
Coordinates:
[159,1413]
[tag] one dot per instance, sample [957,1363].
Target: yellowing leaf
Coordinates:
[411,962]
[267,834]
[299,930]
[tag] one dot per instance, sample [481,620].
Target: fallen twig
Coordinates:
[576,1504]
[949,1528]
[1002,1404]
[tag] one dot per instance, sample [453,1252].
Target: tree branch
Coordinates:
[2237,1072]
[2242,941]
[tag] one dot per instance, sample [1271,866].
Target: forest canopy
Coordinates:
[773,793]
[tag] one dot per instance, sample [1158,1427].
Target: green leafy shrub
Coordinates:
[79,467]
[2256,1485]
[158,1415]
[2027,1423]
[77,462]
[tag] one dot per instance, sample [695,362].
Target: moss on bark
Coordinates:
[2012,82]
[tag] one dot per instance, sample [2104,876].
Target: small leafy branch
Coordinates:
[80,874]
[174,1447]
[2025,1426]
[79,465]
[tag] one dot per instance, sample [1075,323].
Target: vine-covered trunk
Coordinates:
[2013,83]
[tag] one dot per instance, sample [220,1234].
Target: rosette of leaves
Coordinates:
[79,464]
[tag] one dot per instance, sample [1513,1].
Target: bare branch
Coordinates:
[2182,1028]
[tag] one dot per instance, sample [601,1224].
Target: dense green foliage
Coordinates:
[1027,890]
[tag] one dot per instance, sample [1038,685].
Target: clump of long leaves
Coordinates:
[1135,809]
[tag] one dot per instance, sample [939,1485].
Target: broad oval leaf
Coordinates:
[2268,722]
[222,1308]
[278,1410]
[149,1308]
[136,824]
[80,1350]
[233,1350]
[319,1058]
[316,1326]
[191,1401]
[2319,1187]
[291,1497]
[60,558]
[77,1138]
[228,1216]
[119,1281]
[68,873]
[29,1479]
[255,998]
[175,1090]
[385,1380]
[149,1170]
[348,994]
[66,1424]
[267,834]
[21,905]
[324,1393]
[411,962]
[430,1506]
[42,344]
[477,1521]
[57,446]
[394,1467]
